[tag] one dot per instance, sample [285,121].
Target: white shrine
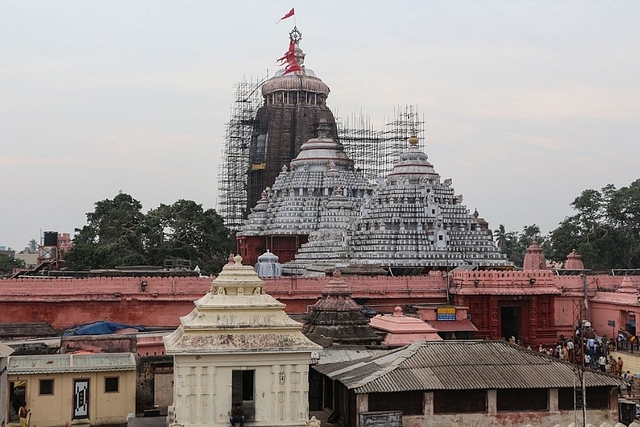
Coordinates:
[239,346]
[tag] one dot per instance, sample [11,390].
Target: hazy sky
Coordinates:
[526,103]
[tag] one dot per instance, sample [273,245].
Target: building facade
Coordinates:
[464,384]
[239,346]
[70,389]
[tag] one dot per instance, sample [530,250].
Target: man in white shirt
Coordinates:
[602,363]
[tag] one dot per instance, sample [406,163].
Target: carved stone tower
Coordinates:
[294,104]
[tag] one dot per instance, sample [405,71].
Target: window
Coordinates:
[111,384]
[46,387]
[459,401]
[597,398]
[409,402]
[515,400]
[328,393]
[566,399]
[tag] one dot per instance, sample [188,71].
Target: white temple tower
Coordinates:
[238,345]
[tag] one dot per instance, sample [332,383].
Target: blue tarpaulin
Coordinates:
[98,328]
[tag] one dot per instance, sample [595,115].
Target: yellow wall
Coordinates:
[57,409]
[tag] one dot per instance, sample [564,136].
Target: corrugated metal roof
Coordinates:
[459,365]
[60,363]
[346,355]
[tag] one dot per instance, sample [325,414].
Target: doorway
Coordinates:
[17,396]
[509,323]
[242,391]
[81,399]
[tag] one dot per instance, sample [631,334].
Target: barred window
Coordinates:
[111,384]
[514,400]
[459,401]
[409,402]
[46,387]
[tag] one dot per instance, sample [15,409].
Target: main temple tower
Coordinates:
[294,104]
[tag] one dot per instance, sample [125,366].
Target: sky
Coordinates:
[526,103]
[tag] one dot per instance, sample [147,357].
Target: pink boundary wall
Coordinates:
[63,302]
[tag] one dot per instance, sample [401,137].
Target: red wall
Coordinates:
[67,302]
[63,302]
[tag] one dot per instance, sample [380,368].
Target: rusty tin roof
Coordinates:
[459,365]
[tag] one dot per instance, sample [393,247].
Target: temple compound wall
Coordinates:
[153,301]
[63,302]
[545,305]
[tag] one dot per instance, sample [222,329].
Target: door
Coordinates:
[81,399]
[242,390]
[510,323]
[17,396]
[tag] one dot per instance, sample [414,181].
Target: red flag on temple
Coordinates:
[293,66]
[290,59]
[289,54]
[288,14]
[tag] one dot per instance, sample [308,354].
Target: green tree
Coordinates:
[623,214]
[501,237]
[119,234]
[514,244]
[605,229]
[8,263]
[113,236]
[185,230]
[507,242]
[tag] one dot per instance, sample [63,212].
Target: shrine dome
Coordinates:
[302,80]
[534,258]
[414,221]
[574,261]
[322,153]
[413,165]
[321,173]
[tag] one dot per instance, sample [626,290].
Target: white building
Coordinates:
[238,345]
[5,352]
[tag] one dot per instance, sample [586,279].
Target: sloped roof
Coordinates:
[463,325]
[31,329]
[459,365]
[5,350]
[237,316]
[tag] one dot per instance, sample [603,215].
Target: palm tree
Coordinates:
[501,237]
[33,246]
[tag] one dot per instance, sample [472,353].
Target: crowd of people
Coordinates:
[595,353]
[592,353]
